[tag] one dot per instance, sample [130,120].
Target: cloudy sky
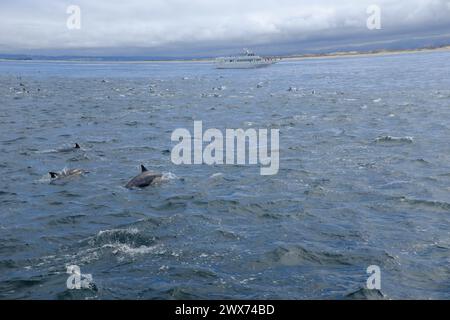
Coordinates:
[202,27]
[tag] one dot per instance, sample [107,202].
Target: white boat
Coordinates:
[247,60]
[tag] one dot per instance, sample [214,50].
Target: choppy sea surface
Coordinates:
[364,180]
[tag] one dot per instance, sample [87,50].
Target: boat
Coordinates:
[246,60]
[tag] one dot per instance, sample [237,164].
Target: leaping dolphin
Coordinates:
[144,179]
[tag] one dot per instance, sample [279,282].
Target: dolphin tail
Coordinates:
[143,169]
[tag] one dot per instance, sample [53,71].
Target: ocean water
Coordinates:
[364,180]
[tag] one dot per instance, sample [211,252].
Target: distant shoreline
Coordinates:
[299,57]
[349,54]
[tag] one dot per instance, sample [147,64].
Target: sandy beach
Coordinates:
[343,54]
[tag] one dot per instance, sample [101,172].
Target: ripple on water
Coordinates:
[299,255]
[343,199]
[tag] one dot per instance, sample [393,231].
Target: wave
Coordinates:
[19,284]
[126,249]
[391,139]
[296,255]
[122,243]
[73,219]
[63,149]
[434,204]
[44,179]
[46,151]
[5,193]
[218,175]
[167,176]
[130,237]
[12,141]
[82,157]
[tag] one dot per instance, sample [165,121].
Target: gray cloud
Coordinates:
[182,24]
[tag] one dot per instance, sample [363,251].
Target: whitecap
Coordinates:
[46,151]
[217,175]
[114,231]
[166,176]
[406,139]
[118,248]
[45,179]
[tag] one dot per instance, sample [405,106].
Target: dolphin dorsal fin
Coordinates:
[77,146]
[53,174]
[143,169]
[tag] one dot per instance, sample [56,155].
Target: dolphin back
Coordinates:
[143,180]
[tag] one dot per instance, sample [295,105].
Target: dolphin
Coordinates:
[67,173]
[75,147]
[144,179]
